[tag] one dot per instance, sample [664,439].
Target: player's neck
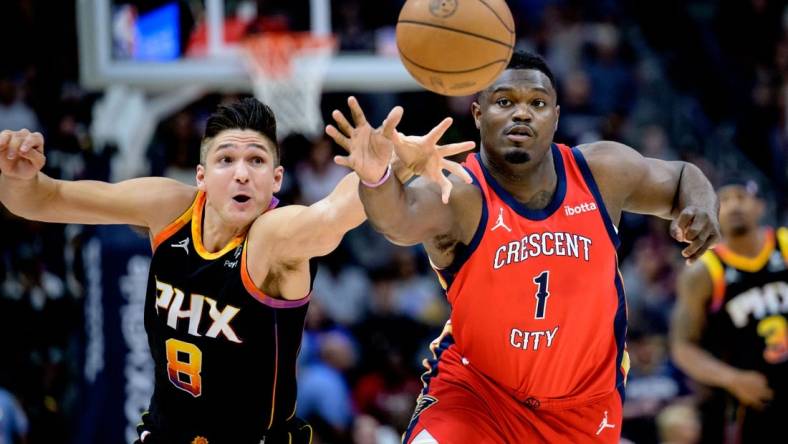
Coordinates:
[532,185]
[216,233]
[748,244]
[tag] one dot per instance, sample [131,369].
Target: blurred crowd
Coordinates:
[699,80]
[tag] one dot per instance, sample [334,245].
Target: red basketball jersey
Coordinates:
[537,301]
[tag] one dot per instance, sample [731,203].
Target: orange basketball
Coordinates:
[455,47]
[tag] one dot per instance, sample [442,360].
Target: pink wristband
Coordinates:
[381,181]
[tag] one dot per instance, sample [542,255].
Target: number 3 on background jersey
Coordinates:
[774,330]
[542,293]
[184,363]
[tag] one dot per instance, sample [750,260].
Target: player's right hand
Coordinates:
[424,157]
[751,389]
[697,226]
[21,154]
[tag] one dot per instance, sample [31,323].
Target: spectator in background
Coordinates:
[368,430]
[418,296]
[678,424]
[654,143]
[350,26]
[368,247]
[14,113]
[295,150]
[388,392]
[13,421]
[563,40]
[579,123]
[385,327]
[323,395]
[652,383]
[611,78]
[341,288]
[389,342]
[172,152]
[318,174]
[648,280]
[67,145]
[37,311]
[179,141]
[32,283]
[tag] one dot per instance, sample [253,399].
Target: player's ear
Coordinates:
[476,111]
[557,116]
[279,173]
[200,177]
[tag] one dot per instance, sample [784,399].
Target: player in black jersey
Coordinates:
[230,277]
[729,328]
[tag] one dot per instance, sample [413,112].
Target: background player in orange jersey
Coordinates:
[528,256]
[229,281]
[729,328]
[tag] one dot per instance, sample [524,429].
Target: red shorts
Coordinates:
[460,405]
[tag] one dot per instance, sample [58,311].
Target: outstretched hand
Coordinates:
[424,157]
[21,154]
[369,149]
[372,150]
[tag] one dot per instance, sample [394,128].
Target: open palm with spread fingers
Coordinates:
[21,153]
[424,157]
[371,150]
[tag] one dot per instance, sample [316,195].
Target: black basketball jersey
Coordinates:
[224,352]
[747,317]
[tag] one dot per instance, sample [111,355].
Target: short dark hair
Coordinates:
[529,60]
[248,113]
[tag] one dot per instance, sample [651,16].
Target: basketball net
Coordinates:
[287,71]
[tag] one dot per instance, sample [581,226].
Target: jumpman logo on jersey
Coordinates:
[182,244]
[499,222]
[604,424]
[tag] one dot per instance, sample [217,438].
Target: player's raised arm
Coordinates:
[688,321]
[302,232]
[28,193]
[672,190]
[404,214]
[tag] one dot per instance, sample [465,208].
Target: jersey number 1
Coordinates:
[542,293]
[184,364]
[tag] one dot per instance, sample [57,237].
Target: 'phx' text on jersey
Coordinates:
[537,301]
[224,352]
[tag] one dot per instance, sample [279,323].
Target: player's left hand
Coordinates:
[424,157]
[369,149]
[699,228]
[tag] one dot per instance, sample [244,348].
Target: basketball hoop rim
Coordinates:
[270,55]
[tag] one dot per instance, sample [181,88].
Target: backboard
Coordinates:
[143,44]
[153,57]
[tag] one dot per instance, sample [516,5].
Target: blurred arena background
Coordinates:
[122,88]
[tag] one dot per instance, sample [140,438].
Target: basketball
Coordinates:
[455,47]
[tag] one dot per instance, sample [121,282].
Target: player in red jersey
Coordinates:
[535,351]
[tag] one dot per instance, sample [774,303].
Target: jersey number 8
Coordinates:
[184,363]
